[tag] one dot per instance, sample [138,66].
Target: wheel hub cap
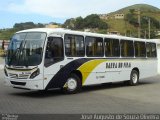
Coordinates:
[72,84]
[134,78]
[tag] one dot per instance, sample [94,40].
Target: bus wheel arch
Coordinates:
[136,69]
[78,73]
[73,83]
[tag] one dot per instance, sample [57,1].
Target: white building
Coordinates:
[119,16]
[111,16]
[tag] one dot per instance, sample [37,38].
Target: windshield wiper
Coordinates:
[13,56]
[24,55]
[16,54]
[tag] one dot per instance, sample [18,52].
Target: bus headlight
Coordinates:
[35,73]
[5,72]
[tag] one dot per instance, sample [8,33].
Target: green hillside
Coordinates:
[142,7]
[127,24]
[145,9]
[125,27]
[121,26]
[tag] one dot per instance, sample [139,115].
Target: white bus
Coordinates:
[43,59]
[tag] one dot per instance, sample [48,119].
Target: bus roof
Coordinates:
[155,40]
[62,31]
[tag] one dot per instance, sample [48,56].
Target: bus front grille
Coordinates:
[18,83]
[19,76]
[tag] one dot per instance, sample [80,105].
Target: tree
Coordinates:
[69,23]
[132,19]
[154,25]
[40,25]
[91,21]
[27,25]
[79,23]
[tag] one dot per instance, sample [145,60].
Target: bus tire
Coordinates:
[134,78]
[73,84]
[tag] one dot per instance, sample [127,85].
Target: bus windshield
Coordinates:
[26,49]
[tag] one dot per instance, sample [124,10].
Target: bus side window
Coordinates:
[151,50]
[111,47]
[140,49]
[94,47]
[154,50]
[54,51]
[127,49]
[74,45]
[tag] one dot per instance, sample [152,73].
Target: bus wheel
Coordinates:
[73,84]
[134,78]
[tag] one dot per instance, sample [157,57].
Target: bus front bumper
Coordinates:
[36,84]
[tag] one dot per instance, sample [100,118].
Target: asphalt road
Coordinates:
[114,98]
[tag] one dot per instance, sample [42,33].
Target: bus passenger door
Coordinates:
[54,55]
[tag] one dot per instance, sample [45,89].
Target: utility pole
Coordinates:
[149,28]
[145,34]
[139,23]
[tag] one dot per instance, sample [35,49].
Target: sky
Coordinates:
[46,11]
